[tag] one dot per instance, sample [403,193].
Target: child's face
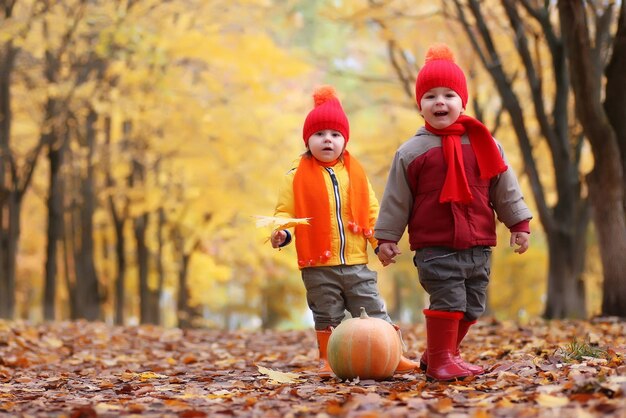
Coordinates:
[441,107]
[326,145]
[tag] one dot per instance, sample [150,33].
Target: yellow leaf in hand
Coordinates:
[277,222]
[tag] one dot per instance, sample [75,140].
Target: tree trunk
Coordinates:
[160,245]
[149,299]
[118,217]
[160,269]
[606,180]
[567,259]
[8,255]
[54,140]
[88,294]
[615,102]
[55,214]
[609,220]
[10,199]
[120,252]
[184,312]
[149,307]
[68,267]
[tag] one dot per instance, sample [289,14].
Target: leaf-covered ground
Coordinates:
[82,369]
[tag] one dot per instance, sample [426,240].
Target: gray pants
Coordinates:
[332,290]
[456,280]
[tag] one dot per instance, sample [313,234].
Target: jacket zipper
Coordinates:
[342,236]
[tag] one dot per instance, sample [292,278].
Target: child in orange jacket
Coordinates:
[330,187]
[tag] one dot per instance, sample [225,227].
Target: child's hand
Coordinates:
[522,240]
[387,251]
[278,237]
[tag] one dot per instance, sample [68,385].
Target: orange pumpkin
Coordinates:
[364,347]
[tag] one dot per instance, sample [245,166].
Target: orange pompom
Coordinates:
[323,94]
[439,52]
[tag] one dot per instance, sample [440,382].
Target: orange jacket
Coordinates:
[346,247]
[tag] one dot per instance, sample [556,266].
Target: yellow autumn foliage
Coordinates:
[209,98]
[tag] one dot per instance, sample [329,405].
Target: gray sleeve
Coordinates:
[396,204]
[507,199]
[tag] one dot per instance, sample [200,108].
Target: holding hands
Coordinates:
[387,253]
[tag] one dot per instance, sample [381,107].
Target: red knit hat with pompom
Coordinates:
[440,70]
[327,114]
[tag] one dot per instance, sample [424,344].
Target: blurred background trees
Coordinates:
[139,137]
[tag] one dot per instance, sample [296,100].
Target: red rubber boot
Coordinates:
[463,328]
[441,336]
[472,368]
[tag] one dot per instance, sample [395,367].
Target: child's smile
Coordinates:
[441,107]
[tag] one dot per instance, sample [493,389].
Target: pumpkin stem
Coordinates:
[363,313]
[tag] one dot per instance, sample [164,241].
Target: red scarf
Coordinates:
[311,201]
[490,162]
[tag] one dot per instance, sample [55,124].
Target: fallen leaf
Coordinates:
[550,401]
[150,375]
[52,342]
[443,405]
[279,377]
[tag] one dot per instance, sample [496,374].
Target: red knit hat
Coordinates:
[439,70]
[327,114]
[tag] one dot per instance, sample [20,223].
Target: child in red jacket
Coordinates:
[444,185]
